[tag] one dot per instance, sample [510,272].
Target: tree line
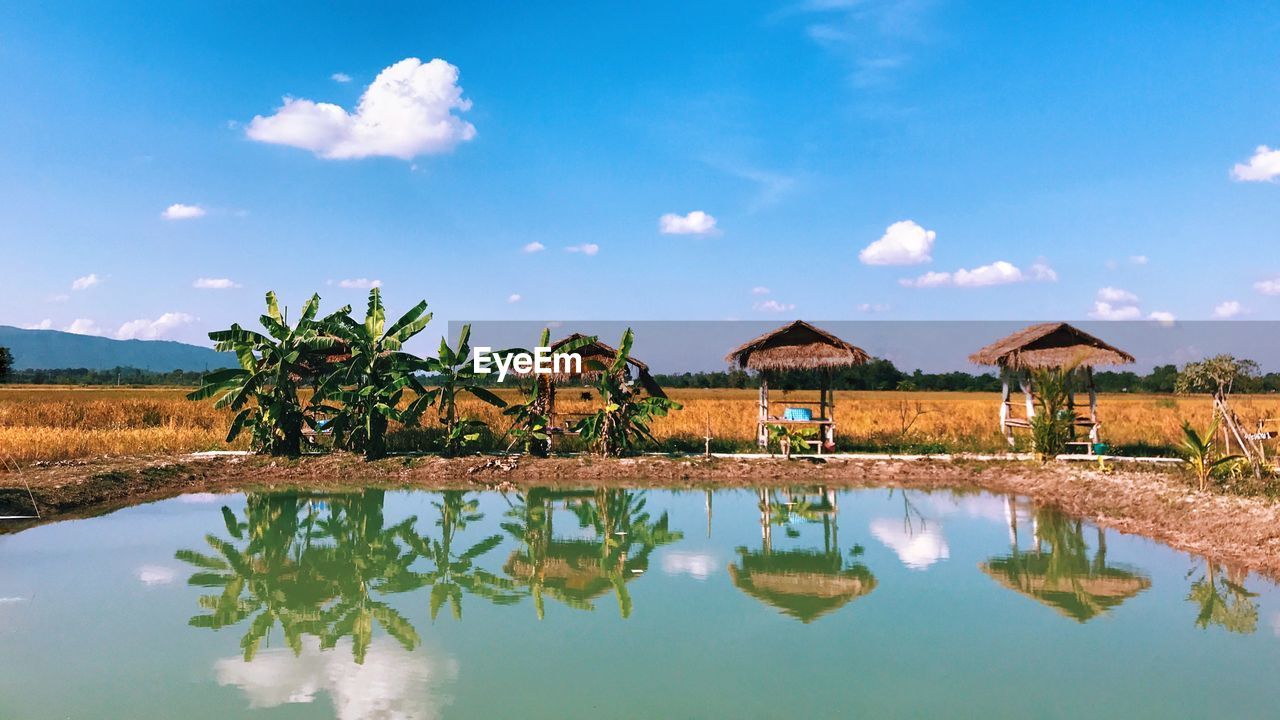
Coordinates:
[881,374]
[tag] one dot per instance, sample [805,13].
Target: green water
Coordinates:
[622,604]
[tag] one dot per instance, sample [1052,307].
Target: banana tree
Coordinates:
[264,390]
[454,373]
[625,418]
[366,388]
[531,419]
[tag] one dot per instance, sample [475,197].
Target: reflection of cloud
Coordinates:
[197,498]
[156,575]
[917,550]
[696,565]
[392,684]
[10,600]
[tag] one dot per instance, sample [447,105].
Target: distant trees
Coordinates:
[6,363]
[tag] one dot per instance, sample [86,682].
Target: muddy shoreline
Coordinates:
[1154,502]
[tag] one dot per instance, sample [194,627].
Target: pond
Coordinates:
[620,604]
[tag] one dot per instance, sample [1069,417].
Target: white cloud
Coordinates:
[408,110]
[144,329]
[1262,167]
[773,306]
[873,308]
[178,211]
[1116,295]
[1040,271]
[1138,259]
[916,549]
[584,248]
[359,284]
[215,284]
[999,272]
[58,298]
[927,280]
[1162,317]
[86,282]
[391,684]
[1103,310]
[903,243]
[340,77]
[1228,309]
[44,324]
[759,290]
[534,247]
[699,566]
[84,326]
[514,298]
[1268,287]
[695,223]
[156,575]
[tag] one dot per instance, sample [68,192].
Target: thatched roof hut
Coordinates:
[798,346]
[1049,345]
[802,584]
[596,358]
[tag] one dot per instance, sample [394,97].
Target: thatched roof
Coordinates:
[1081,595]
[798,346]
[1050,345]
[803,584]
[597,356]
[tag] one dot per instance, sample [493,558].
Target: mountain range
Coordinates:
[47,349]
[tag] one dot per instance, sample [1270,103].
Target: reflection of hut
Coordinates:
[798,346]
[597,358]
[1083,595]
[1065,578]
[1054,345]
[571,570]
[806,583]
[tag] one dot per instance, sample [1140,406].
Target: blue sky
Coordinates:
[1019,161]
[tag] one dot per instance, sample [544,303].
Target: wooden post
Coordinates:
[1025,382]
[1093,408]
[1004,406]
[762,422]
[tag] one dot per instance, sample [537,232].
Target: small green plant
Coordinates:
[1052,424]
[789,440]
[1201,452]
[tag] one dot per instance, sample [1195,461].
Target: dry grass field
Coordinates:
[55,423]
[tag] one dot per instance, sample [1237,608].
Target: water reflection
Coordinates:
[576,571]
[391,682]
[318,567]
[917,541]
[1058,571]
[1223,599]
[802,583]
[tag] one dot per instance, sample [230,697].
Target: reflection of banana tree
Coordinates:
[1063,576]
[313,570]
[364,560]
[576,571]
[1223,599]
[455,573]
[803,583]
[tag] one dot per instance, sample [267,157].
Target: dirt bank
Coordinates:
[1157,503]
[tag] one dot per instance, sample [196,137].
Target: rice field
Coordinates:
[58,423]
